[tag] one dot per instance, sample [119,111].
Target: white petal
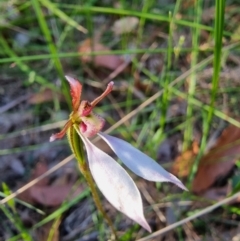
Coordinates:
[115,183]
[138,162]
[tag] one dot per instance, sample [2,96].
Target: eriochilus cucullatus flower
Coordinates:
[111,178]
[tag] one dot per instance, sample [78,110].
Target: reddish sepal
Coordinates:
[75,90]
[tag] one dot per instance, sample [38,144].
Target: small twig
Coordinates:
[151,202]
[185,220]
[33,182]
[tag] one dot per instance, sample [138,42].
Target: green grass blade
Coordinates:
[53,8]
[16,59]
[188,133]
[52,48]
[218,36]
[148,16]
[17,222]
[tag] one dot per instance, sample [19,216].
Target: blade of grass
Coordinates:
[14,58]
[196,102]
[192,217]
[52,48]
[218,36]
[95,53]
[163,82]
[182,77]
[207,108]
[166,79]
[188,133]
[17,222]
[56,11]
[29,148]
[24,204]
[146,7]
[63,208]
[149,16]
[14,215]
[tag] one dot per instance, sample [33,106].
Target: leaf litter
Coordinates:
[108,61]
[28,160]
[50,194]
[215,165]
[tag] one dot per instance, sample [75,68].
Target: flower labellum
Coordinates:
[112,180]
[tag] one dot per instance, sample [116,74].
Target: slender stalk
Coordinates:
[188,133]
[77,148]
[51,45]
[218,35]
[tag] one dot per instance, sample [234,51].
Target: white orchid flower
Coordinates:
[112,180]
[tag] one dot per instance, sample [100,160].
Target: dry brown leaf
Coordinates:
[53,196]
[49,195]
[39,170]
[219,160]
[44,96]
[107,61]
[183,163]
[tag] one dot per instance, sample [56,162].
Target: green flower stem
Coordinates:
[77,148]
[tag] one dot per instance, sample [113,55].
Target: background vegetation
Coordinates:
[176,67]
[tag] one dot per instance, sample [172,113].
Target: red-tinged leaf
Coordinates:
[49,195]
[76,91]
[219,160]
[39,170]
[53,196]
[110,61]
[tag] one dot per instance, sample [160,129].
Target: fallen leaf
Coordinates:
[183,163]
[125,25]
[219,160]
[53,196]
[50,195]
[107,61]
[39,170]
